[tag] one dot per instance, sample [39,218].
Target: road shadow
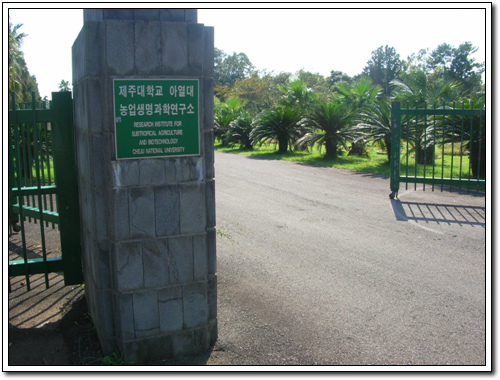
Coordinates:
[72,340]
[447,214]
[40,306]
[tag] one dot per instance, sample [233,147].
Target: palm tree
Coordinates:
[16,59]
[418,91]
[469,132]
[477,139]
[279,123]
[20,80]
[375,124]
[64,85]
[328,123]
[239,131]
[296,93]
[358,96]
[225,113]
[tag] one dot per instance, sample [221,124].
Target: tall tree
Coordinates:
[229,68]
[20,80]
[64,85]
[315,81]
[383,66]
[457,64]
[338,76]
[16,58]
[416,62]
[260,91]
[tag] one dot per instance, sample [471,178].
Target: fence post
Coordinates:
[395,147]
[67,186]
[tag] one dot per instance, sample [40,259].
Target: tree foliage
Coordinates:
[383,66]
[296,94]
[338,76]
[20,80]
[457,64]
[358,95]
[447,63]
[375,124]
[224,114]
[305,109]
[240,131]
[229,68]
[417,89]
[328,123]
[259,92]
[281,124]
[64,85]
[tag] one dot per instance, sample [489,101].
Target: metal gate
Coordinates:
[43,187]
[442,148]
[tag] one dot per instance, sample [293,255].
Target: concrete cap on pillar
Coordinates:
[171,15]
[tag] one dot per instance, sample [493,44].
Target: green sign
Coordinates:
[156,117]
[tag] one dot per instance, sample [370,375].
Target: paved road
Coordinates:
[319,266]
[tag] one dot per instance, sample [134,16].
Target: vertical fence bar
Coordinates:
[12,179]
[395,147]
[425,143]
[29,146]
[16,127]
[407,141]
[36,154]
[23,159]
[452,143]
[471,134]
[416,151]
[13,219]
[480,138]
[443,125]
[461,147]
[41,161]
[49,166]
[42,164]
[435,145]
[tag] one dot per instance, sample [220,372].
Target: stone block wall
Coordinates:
[148,225]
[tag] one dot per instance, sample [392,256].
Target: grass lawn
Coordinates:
[374,163]
[453,166]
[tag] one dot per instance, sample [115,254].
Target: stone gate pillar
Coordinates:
[143,110]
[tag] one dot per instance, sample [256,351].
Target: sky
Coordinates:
[276,40]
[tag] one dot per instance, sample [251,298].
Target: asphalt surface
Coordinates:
[317,266]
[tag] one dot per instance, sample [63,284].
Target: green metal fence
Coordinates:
[443,148]
[43,186]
